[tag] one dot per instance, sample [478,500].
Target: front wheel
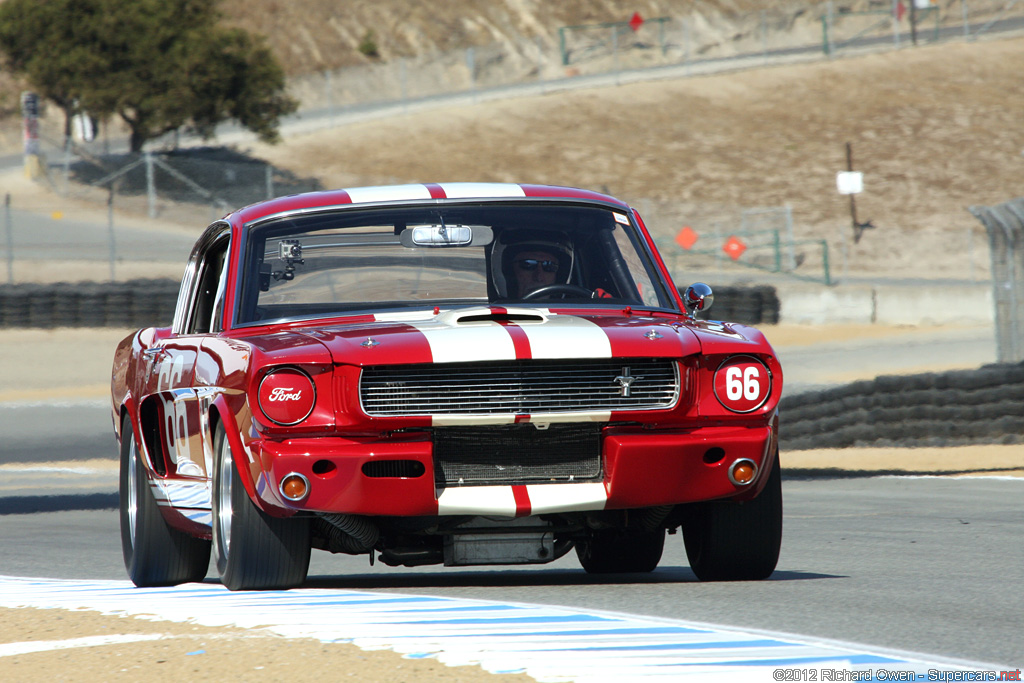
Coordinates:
[730,541]
[615,551]
[253,550]
[155,554]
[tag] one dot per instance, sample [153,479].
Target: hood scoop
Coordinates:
[500,318]
[470,316]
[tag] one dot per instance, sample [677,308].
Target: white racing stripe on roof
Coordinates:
[470,190]
[548,643]
[387,193]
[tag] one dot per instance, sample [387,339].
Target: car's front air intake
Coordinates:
[517,454]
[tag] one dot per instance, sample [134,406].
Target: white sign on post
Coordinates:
[83,127]
[850,182]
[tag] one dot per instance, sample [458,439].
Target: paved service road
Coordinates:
[39,236]
[820,366]
[926,565]
[48,432]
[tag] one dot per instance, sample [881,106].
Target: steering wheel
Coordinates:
[550,290]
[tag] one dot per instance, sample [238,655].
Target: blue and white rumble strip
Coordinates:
[548,643]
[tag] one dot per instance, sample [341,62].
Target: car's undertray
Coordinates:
[474,540]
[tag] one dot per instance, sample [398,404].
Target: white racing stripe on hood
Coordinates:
[387,193]
[567,336]
[467,342]
[403,316]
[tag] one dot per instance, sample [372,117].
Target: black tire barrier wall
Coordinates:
[757,305]
[150,303]
[130,305]
[960,407]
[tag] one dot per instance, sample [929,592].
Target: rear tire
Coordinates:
[253,550]
[155,554]
[616,551]
[730,541]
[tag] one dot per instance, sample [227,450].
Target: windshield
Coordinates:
[439,255]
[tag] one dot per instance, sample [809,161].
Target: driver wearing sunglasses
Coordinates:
[533,269]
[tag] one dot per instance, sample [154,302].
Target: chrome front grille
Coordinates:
[520,387]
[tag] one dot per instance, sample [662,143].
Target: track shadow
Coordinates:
[512,578]
[807,473]
[27,505]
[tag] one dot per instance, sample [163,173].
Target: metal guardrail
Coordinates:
[1005,225]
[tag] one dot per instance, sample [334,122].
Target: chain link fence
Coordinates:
[702,40]
[1005,226]
[707,241]
[191,185]
[785,29]
[914,22]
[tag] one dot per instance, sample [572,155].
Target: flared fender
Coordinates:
[248,469]
[770,455]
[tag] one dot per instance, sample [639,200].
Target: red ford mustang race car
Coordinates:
[458,374]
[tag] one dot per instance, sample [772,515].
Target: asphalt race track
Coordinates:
[923,565]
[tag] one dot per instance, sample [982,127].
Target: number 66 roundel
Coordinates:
[742,384]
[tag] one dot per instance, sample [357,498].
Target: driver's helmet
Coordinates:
[510,243]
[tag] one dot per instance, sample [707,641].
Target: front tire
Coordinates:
[253,550]
[616,551]
[155,554]
[730,541]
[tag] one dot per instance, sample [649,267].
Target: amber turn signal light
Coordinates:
[294,487]
[742,472]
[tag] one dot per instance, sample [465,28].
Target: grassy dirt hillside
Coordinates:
[934,129]
[313,35]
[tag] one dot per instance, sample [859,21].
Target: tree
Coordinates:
[161,65]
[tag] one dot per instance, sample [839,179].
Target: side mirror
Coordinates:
[697,297]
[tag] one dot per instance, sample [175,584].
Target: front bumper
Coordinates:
[641,468]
